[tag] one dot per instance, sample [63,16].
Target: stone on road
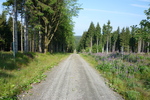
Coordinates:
[72,79]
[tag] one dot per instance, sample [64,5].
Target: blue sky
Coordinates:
[1,7]
[122,13]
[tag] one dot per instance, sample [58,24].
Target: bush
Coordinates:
[94,49]
[87,49]
[128,74]
[133,95]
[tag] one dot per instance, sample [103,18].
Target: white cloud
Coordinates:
[114,12]
[141,6]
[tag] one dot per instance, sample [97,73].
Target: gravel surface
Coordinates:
[72,79]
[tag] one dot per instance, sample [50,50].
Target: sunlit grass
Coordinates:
[18,74]
[90,59]
[126,74]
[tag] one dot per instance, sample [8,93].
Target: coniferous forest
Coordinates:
[101,38]
[121,56]
[38,25]
[29,26]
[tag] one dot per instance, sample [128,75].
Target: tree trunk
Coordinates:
[148,47]
[97,45]
[30,45]
[103,49]
[34,42]
[64,50]
[107,46]
[128,48]
[110,49]
[143,45]
[46,43]
[21,35]
[45,48]
[139,45]
[46,40]
[15,35]
[26,32]
[40,41]
[114,46]
[91,45]
[122,50]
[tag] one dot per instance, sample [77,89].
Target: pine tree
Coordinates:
[114,39]
[146,28]
[46,17]
[91,32]
[98,35]
[107,34]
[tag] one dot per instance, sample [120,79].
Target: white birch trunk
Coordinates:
[114,46]
[97,45]
[103,49]
[143,45]
[107,46]
[91,45]
[139,45]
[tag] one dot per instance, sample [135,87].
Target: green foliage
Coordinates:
[94,48]
[125,38]
[18,74]
[133,39]
[92,36]
[77,40]
[5,32]
[127,74]
[49,17]
[82,43]
[133,95]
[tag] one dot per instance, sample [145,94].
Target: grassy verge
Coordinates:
[18,74]
[90,59]
[127,74]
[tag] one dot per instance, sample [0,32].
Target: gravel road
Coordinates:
[72,79]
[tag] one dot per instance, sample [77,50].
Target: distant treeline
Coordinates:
[128,39]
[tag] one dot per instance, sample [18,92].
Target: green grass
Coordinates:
[129,75]
[17,75]
[89,59]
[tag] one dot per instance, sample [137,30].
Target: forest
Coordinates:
[46,26]
[121,56]
[133,39]
[38,25]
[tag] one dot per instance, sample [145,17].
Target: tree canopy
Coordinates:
[127,39]
[47,24]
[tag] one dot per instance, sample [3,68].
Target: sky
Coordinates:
[1,7]
[122,13]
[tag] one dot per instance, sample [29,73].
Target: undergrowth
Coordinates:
[17,74]
[127,74]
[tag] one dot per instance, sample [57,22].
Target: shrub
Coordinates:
[132,95]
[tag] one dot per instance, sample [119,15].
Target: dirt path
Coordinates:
[73,79]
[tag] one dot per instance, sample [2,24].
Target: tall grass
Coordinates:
[17,74]
[128,74]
